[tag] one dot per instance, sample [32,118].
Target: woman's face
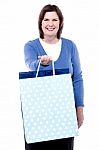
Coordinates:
[50,24]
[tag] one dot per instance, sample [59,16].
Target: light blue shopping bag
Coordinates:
[48,108]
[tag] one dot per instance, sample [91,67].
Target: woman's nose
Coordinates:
[50,23]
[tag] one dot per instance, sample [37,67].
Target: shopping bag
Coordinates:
[48,107]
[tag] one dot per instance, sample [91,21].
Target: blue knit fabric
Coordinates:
[68,59]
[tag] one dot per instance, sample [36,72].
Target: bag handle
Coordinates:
[38,68]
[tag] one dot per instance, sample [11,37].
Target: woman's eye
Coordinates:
[45,19]
[55,20]
[52,20]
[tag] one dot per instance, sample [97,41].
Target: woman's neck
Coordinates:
[50,40]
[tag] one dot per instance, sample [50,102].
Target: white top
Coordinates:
[52,50]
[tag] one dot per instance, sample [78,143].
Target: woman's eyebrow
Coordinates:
[51,18]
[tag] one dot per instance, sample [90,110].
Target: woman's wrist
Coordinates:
[80,116]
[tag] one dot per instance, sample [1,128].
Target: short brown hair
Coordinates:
[50,8]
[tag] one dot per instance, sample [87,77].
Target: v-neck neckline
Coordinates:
[45,51]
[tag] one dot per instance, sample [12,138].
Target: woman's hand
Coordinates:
[80,116]
[45,60]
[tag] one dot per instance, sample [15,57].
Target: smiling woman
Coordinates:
[51,18]
[51,47]
[50,26]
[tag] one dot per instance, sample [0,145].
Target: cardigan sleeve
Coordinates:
[30,56]
[31,53]
[77,77]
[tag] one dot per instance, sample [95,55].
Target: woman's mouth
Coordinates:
[50,29]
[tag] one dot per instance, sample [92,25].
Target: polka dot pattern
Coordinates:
[48,108]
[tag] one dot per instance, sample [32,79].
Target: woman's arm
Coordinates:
[78,85]
[30,56]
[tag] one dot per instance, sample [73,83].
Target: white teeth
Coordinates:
[50,29]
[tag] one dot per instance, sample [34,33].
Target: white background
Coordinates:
[18,24]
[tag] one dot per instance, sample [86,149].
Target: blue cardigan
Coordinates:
[68,59]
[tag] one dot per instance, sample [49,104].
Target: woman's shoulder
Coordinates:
[66,40]
[70,45]
[32,42]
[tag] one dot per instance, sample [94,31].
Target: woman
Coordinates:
[51,46]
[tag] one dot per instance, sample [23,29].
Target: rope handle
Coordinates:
[38,68]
